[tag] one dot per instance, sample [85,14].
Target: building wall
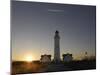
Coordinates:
[45,59]
[67,57]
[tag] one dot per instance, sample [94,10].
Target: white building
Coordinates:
[45,58]
[67,57]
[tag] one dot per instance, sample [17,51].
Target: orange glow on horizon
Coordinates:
[29,58]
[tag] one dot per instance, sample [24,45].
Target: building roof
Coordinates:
[45,55]
[67,54]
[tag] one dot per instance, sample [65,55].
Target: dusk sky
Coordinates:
[34,24]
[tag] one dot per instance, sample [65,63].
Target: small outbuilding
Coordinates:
[45,58]
[67,57]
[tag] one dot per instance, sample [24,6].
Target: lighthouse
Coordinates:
[57,47]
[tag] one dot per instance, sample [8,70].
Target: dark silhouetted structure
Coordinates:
[57,47]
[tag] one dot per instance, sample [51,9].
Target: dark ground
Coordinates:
[19,67]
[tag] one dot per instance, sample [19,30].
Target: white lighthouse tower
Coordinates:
[57,47]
